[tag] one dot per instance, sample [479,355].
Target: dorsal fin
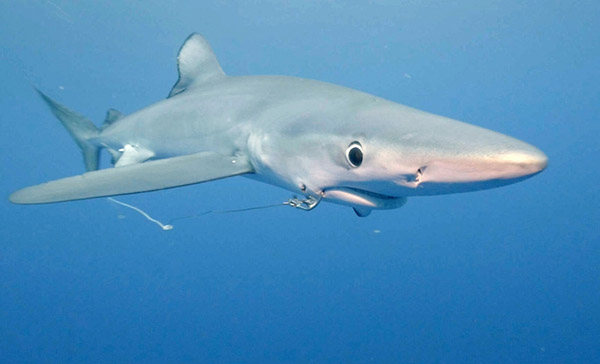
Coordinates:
[196,64]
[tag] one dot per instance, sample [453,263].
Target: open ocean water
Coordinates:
[508,275]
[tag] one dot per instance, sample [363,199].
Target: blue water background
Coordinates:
[510,275]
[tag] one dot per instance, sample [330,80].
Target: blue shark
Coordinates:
[320,141]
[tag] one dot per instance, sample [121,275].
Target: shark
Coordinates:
[320,141]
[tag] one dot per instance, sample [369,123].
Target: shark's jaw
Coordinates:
[356,197]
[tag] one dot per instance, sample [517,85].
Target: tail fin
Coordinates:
[80,128]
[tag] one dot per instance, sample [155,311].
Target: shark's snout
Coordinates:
[483,160]
[517,163]
[532,160]
[505,163]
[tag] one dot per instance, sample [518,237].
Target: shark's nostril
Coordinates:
[419,174]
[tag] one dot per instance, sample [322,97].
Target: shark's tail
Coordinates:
[80,128]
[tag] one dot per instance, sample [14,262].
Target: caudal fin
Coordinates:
[80,128]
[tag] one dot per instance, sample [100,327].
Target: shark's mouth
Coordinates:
[362,198]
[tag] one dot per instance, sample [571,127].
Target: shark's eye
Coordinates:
[354,154]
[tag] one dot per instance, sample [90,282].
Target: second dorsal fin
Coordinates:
[112,115]
[196,64]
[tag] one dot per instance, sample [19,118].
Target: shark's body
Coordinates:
[319,140]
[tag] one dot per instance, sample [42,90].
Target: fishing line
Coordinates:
[169,225]
[227,211]
[148,217]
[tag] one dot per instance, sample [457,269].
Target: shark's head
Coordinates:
[376,153]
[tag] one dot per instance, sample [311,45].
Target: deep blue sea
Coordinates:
[508,275]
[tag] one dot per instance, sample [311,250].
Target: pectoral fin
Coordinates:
[143,177]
